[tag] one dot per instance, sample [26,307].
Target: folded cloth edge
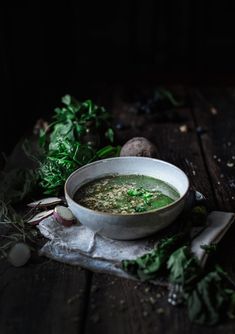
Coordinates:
[218,224]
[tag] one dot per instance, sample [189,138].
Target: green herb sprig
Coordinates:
[73,120]
[13,229]
[64,141]
[16,183]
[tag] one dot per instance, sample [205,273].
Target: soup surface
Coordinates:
[126,194]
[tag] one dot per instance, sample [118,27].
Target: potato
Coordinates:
[140,147]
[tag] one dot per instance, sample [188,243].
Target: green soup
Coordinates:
[126,194]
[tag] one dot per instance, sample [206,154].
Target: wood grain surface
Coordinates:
[49,297]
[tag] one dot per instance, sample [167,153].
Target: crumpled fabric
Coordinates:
[78,245]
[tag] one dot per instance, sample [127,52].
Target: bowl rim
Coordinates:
[164,208]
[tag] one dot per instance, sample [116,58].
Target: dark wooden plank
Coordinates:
[213,110]
[214,113]
[121,306]
[54,298]
[46,297]
[163,129]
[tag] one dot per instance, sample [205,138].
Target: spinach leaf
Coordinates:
[149,265]
[66,148]
[183,267]
[206,294]
[66,157]
[208,302]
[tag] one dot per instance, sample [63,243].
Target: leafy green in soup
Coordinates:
[126,194]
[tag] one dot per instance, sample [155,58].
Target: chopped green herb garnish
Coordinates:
[135,192]
[209,248]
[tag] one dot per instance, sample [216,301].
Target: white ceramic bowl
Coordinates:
[127,226]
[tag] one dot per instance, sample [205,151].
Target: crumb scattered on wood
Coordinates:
[95,318]
[214,111]
[183,128]
[160,310]
[230,164]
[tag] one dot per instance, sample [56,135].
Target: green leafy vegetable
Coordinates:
[108,151]
[207,298]
[65,145]
[183,267]
[66,157]
[140,208]
[148,266]
[110,135]
[209,301]
[74,118]
[207,295]
[209,248]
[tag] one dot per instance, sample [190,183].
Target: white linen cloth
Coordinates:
[78,245]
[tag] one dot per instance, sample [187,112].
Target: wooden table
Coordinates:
[50,297]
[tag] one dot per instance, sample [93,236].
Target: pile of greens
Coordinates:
[73,140]
[207,295]
[79,133]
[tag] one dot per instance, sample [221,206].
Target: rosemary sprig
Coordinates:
[14,228]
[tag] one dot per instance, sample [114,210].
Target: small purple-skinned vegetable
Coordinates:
[40,216]
[64,215]
[45,202]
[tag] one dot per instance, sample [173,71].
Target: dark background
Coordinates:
[47,51]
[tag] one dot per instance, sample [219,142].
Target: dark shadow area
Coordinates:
[77,47]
